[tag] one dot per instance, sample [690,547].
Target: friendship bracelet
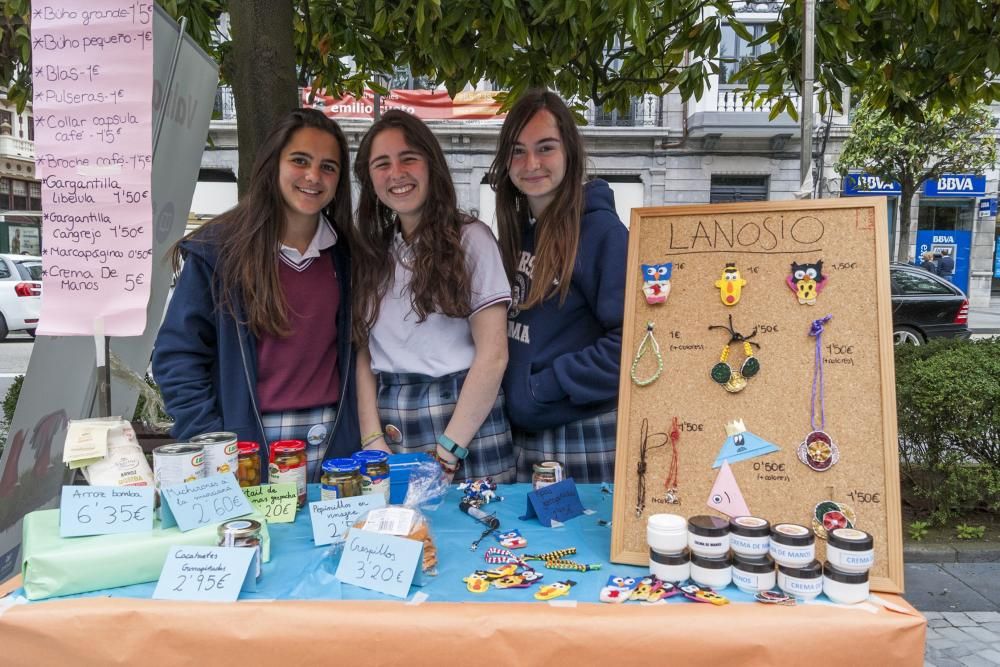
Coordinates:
[370,438]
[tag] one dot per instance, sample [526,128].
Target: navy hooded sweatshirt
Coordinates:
[565,359]
[205,362]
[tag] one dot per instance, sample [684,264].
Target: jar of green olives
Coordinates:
[341,479]
[248,463]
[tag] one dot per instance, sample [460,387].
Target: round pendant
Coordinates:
[818,451]
[736,383]
[721,372]
[750,367]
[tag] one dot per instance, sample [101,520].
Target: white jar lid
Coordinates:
[671,522]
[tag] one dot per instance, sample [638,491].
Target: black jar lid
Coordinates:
[711,563]
[797,536]
[850,539]
[832,573]
[754,564]
[682,558]
[708,526]
[749,526]
[811,571]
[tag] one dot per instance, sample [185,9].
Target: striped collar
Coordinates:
[324,237]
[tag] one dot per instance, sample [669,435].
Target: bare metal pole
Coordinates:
[808,72]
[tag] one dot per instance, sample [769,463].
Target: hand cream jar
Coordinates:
[844,587]
[708,536]
[804,583]
[749,536]
[753,575]
[792,545]
[675,568]
[667,533]
[715,573]
[850,550]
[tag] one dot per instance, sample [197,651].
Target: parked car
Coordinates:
[20,293]
[925,306]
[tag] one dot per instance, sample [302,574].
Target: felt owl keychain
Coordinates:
[656,282]
[807,281]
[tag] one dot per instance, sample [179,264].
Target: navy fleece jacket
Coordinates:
[565,359]
[205,362]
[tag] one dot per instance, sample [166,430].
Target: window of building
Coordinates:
[403,79]
[735,51]
[615,118]
[19,201]
[738,188]
[31,128]
[946,214]
[35,196]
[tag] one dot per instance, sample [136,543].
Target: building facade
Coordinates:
[20,190]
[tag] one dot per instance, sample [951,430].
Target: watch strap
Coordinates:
[452,447]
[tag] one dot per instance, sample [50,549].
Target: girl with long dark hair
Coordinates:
[257,337]
[430,298]
[564,250]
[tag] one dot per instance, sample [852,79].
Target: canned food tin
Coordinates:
[546,473]
[288,466]
[221,452]
[242,533]
[177,463]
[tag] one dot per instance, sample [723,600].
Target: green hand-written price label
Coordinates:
[277,502]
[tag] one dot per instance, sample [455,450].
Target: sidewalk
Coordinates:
[984,320]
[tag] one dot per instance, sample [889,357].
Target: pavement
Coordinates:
[985,321]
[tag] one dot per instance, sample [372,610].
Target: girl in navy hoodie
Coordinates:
[257,337]
[564,250]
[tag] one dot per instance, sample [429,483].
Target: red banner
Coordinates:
[424,104]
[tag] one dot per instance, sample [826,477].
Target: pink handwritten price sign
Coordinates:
[92,67]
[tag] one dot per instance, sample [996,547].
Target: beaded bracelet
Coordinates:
[448,467]
[370,438]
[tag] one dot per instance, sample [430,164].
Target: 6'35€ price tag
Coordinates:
[215,574]
[105,510]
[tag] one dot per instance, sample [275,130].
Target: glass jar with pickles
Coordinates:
[374,473]
[341,479]
[248,463]
[288,466]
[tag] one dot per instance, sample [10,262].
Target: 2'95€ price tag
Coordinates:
[210,500]
[105,510]
[379,562]
[214,574]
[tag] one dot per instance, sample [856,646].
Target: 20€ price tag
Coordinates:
[331,519]
[215,574]
[379,562]
[210,500]
[105,510]
[277,502]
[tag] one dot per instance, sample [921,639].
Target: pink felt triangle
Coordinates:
[726,496]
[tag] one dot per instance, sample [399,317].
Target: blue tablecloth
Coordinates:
[300,570]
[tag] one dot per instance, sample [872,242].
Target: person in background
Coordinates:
[430,302]
[257,337]
[927,262]
[564,248]
[946,263]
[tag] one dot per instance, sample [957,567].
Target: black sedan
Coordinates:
[925,306]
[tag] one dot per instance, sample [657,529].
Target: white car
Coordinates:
[20,293]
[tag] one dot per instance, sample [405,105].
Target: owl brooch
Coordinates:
[807,281]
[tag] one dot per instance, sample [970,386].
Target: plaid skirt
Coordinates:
[586,449]
[421,407]
[312,425]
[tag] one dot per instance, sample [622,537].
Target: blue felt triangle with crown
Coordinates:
[742,444]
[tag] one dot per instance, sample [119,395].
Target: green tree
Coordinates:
[911,152]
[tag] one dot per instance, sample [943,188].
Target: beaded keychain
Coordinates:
[642,350]
[818,450]
[672,495]
[733,380]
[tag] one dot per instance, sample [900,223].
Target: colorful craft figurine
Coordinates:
[477,582]
[554,590]
[502,571]
[818,450]
[512,539]
[730,285]
[807,281]
[479,492]
[829,515]
[656,282]
[775,597]
[653,589]
[618,589]
[726,496]
[655,347]
[741,444]
[498,556]
[698,594]
[733,380]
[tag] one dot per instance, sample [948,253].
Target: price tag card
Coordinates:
[213,574]
[210,500]
[104,510]
[277,502]
[559,502]
[331,519]
[379,562]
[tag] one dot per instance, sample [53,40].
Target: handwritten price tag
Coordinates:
[331,519]
[559,502]
[105,510]
[378,562]
[215,574]
[277,502]
[210,500]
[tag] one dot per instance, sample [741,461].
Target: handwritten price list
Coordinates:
[92,69]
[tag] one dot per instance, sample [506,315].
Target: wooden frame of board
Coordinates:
[777,404]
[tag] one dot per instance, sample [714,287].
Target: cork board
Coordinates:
[762,239]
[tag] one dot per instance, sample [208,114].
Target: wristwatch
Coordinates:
[452,447]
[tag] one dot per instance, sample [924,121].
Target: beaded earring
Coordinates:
[733,380]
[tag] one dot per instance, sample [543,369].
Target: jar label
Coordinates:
[699,542]
[803,585]
[865,559]
[751,545]
[329,492]
[785,553]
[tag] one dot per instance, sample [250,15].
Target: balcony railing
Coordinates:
[14,147]
[644,112]
[731,99]
[225,106]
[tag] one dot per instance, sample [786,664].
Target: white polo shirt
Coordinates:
[439,345]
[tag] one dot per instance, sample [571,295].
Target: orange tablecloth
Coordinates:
[99,631]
